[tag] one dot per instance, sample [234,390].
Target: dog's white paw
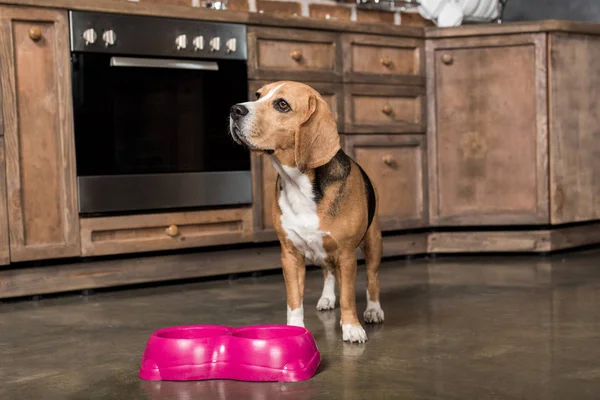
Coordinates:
[353,333]
[295,317]
[326,303]
[296,323]
[374,314]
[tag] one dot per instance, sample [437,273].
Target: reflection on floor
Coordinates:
[505,328]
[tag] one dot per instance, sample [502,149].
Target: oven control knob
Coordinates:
[230,45]
[109,37]
[215,44]
[198,43]
[181,42]
[89,36]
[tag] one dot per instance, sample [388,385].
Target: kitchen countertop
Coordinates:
[514,28]
[248,18]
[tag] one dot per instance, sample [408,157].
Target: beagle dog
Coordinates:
[326,205]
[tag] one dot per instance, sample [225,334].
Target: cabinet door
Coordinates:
[38,129]
[396,166]
[487,131]
[4,249]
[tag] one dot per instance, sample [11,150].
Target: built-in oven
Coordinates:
[151,99]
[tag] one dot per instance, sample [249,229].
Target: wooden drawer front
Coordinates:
[488,146]
[332,93]
[396,166]
[140,233]
[384,109]
[379,59]
[277,54]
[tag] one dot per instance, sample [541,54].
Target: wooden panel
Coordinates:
[384,109]
[490,241]
[270,55]
[329,12]
[4,244]
[380,59]
[38,125]
[278,8]
[367,16]
[396,166]
[332,93]
[574,128]
[488,158]
[128,271]
[539,241]
[140,233]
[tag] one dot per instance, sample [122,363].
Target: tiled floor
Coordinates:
[485,328]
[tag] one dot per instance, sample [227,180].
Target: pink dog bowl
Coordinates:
[258,353]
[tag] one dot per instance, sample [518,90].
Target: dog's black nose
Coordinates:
[238,111]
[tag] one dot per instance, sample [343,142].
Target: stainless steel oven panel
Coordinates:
[132,193]
[156,37]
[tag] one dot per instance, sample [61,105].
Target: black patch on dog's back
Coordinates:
[336,170]
[370,192]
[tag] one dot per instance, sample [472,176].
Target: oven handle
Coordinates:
[163,63]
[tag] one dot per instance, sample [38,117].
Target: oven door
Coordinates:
[152,134]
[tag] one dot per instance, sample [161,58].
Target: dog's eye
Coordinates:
[257,94]
[282,106]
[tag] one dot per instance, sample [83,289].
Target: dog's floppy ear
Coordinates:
[317,138]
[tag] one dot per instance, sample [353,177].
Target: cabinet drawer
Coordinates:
[378,59]
[397,167]
[141,233]
[278,54]
[332,93]
[384,109]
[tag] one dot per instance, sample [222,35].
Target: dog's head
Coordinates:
[290,120]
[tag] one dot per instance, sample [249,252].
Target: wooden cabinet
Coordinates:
[152,232]
[288,54]
[4,244]
[397,166]
[38,129]
[380,59]
[384,109]
[487,130]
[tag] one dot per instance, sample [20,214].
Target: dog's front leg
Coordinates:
[293,273]
[352,331]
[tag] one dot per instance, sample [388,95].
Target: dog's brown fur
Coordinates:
[306,138]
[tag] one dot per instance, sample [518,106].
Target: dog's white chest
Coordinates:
[299,218]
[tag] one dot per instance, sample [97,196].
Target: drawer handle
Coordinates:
[386,109]
[447,59]
[296,55]
[35,33]
[172,230]
[386,62]
[388,160]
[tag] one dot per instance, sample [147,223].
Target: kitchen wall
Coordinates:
[320,9]
[578,10]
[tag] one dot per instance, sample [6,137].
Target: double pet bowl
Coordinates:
[264,353]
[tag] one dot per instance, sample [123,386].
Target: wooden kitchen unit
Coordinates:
[478,139]
[513,136]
